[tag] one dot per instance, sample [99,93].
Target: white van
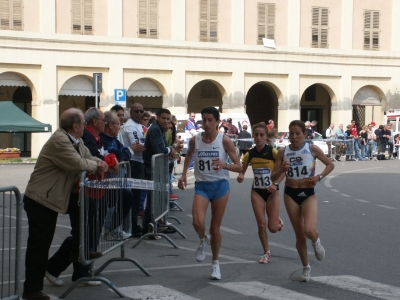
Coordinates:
[238,119]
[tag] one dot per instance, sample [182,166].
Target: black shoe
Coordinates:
[35,296]
[94,255]
[167,231]
[136,235]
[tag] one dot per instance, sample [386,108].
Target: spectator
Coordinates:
[310,131]
[119,110]
[329,135]
[349,144]
[244,145]
[50,191]
[156,144]
[339,146]
[381,139]
[389,140]
[314,126]
[396,145]
[371,142]
[364,141]
[145,120]
[190,130]
[354,132]
[133,134]
[232,129]
[271,124]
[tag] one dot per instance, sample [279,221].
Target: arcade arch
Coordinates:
[147,92]
[205,93]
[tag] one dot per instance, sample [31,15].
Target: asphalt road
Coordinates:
[358,222]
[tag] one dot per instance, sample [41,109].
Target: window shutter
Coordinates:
[153,19]
[375,33]
[367,30]
[319,27]
[203,20]
[87,17]
[271,21]
[261,23]
[17,15]
[314,36]
[5,14]
[315,16]
[213,20]
[76,17]
[371,30]
[324,16]
[142,18]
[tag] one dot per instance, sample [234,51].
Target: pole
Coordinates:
[96,88]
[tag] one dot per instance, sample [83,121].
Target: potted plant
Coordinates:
[9,153]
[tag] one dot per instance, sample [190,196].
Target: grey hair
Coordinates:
[90,114]
[69,117]
[307,123]
[111,117]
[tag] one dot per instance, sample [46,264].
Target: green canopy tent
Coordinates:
[13,119]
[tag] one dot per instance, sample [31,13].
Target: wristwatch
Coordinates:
[320,177]
[276,183]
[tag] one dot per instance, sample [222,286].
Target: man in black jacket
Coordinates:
[155,143]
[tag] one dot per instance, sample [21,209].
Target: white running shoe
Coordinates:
[215,272]
[54,280]
[305,276]
[117,235]
[201,249]
[280,225]
[319,250]
[90,283]
[265,258]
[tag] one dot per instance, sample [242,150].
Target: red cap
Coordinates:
[373,123]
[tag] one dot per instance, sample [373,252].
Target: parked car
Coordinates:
[282,139]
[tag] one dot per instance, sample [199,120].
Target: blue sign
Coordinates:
[120,97]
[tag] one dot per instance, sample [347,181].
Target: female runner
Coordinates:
[264,193]
[297,160]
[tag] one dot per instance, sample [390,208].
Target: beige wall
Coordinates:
[129,18]
[165,19]
[224,21]
[192,20]
[385,22]
[31,15]
[281,21]
[63,16]
[100,17]
[335,23]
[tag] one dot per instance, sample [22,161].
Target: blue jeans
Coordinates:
[357,150]
[371,148]
[364,150]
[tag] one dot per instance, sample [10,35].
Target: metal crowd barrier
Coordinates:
[101,221]
[10,242]
[159,198]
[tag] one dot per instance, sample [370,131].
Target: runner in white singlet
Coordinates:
[298,162]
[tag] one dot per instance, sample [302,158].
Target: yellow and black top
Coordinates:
[263,163]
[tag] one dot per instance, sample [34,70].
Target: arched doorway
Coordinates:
[77,92]
[367,104]
[261,103]
[147,93]
[204,93]
[316,105]
[14,87]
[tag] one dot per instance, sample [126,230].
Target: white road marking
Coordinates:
[264,291]
[335,190]
[150,292]
[327,181]
[388,207]
[223,228]
[287,248]
[345,195]
[360,285]
[361,200]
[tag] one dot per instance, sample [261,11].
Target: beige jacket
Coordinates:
[57,168]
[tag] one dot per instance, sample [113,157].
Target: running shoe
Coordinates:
[201,249]
[305,276]
[280,225]
[265,258]
[117,235]
[215,272]
[173,197]
[54,280]
[319,250]
[90,283]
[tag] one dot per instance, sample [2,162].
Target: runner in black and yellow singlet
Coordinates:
[264,193]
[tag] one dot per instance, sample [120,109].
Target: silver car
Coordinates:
[282,139]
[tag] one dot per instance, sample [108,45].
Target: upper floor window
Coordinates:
[11,14]
[319,27]
[148,19]
[82,17]
[209,20]
[266,21]
[371,30]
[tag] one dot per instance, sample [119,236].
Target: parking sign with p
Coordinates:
[120,97]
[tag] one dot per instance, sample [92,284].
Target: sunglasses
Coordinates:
[139,111]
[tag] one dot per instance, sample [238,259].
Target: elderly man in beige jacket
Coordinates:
[50,191]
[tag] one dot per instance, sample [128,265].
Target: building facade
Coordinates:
[334,60]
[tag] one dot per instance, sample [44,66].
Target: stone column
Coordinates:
[237,24]
[289,107]
[47,16]
[179,20]
[115,18]
[347,24]
[294,23]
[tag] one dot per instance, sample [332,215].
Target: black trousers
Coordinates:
[136,173]
[42,224]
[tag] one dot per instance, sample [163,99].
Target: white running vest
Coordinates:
[204,155]
[302,162]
